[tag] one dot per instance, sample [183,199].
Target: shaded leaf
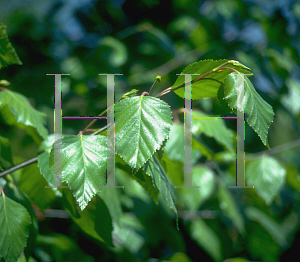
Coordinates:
[195,197]
[275,230]
[174,148]
[62,248]
[32,183]
[160,180]
[140,176]
[43,164]
[5,153]
[229,207]
[8,54]
[215,128]
[206,238]
[96,221]
[16,110]
[267,176]
[111,199]
[128,234]
[69,203]
[174,169]
[292,100]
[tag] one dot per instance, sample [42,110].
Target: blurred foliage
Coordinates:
[143,39]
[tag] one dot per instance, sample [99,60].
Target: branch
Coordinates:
[215,70]
[19,166]
[275,150]
[28,162]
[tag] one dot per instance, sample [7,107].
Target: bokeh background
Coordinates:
[142,39]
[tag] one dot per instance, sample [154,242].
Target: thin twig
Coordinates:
[100,130]
[275,150]
[3,88]
[91,123]
[26,163]
[169,89]
[157,79]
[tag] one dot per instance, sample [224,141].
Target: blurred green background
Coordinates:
[142,39]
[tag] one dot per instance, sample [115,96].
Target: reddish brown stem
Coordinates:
[168,89]
[2,191]
[229,69]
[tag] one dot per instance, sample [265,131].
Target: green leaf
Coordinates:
[46,145]
[174,169]
[140,176]
[32,183]
[8,54]
[229,207]
[16,110]
[83,165]
[208,85]
[160,180]
[291,100]
[17,195]
[293,177]
[142,124]
[128,234]
[96,221]
[237,259]
[131,93]
[195,197]
[69,203]
[206,238]
[267,176]
[2,182]
[215,128]
[43,164]
[14,224]
[62,248]
[275,230]
[111,199]
[259,113]
[5,152]
[174,148]
[117,56]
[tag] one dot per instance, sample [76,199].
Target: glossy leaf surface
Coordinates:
[14,228]
[208,85]
[16,110]
[83,165]
[142,124]
[259,114]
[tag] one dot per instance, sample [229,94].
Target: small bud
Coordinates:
[4,83]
